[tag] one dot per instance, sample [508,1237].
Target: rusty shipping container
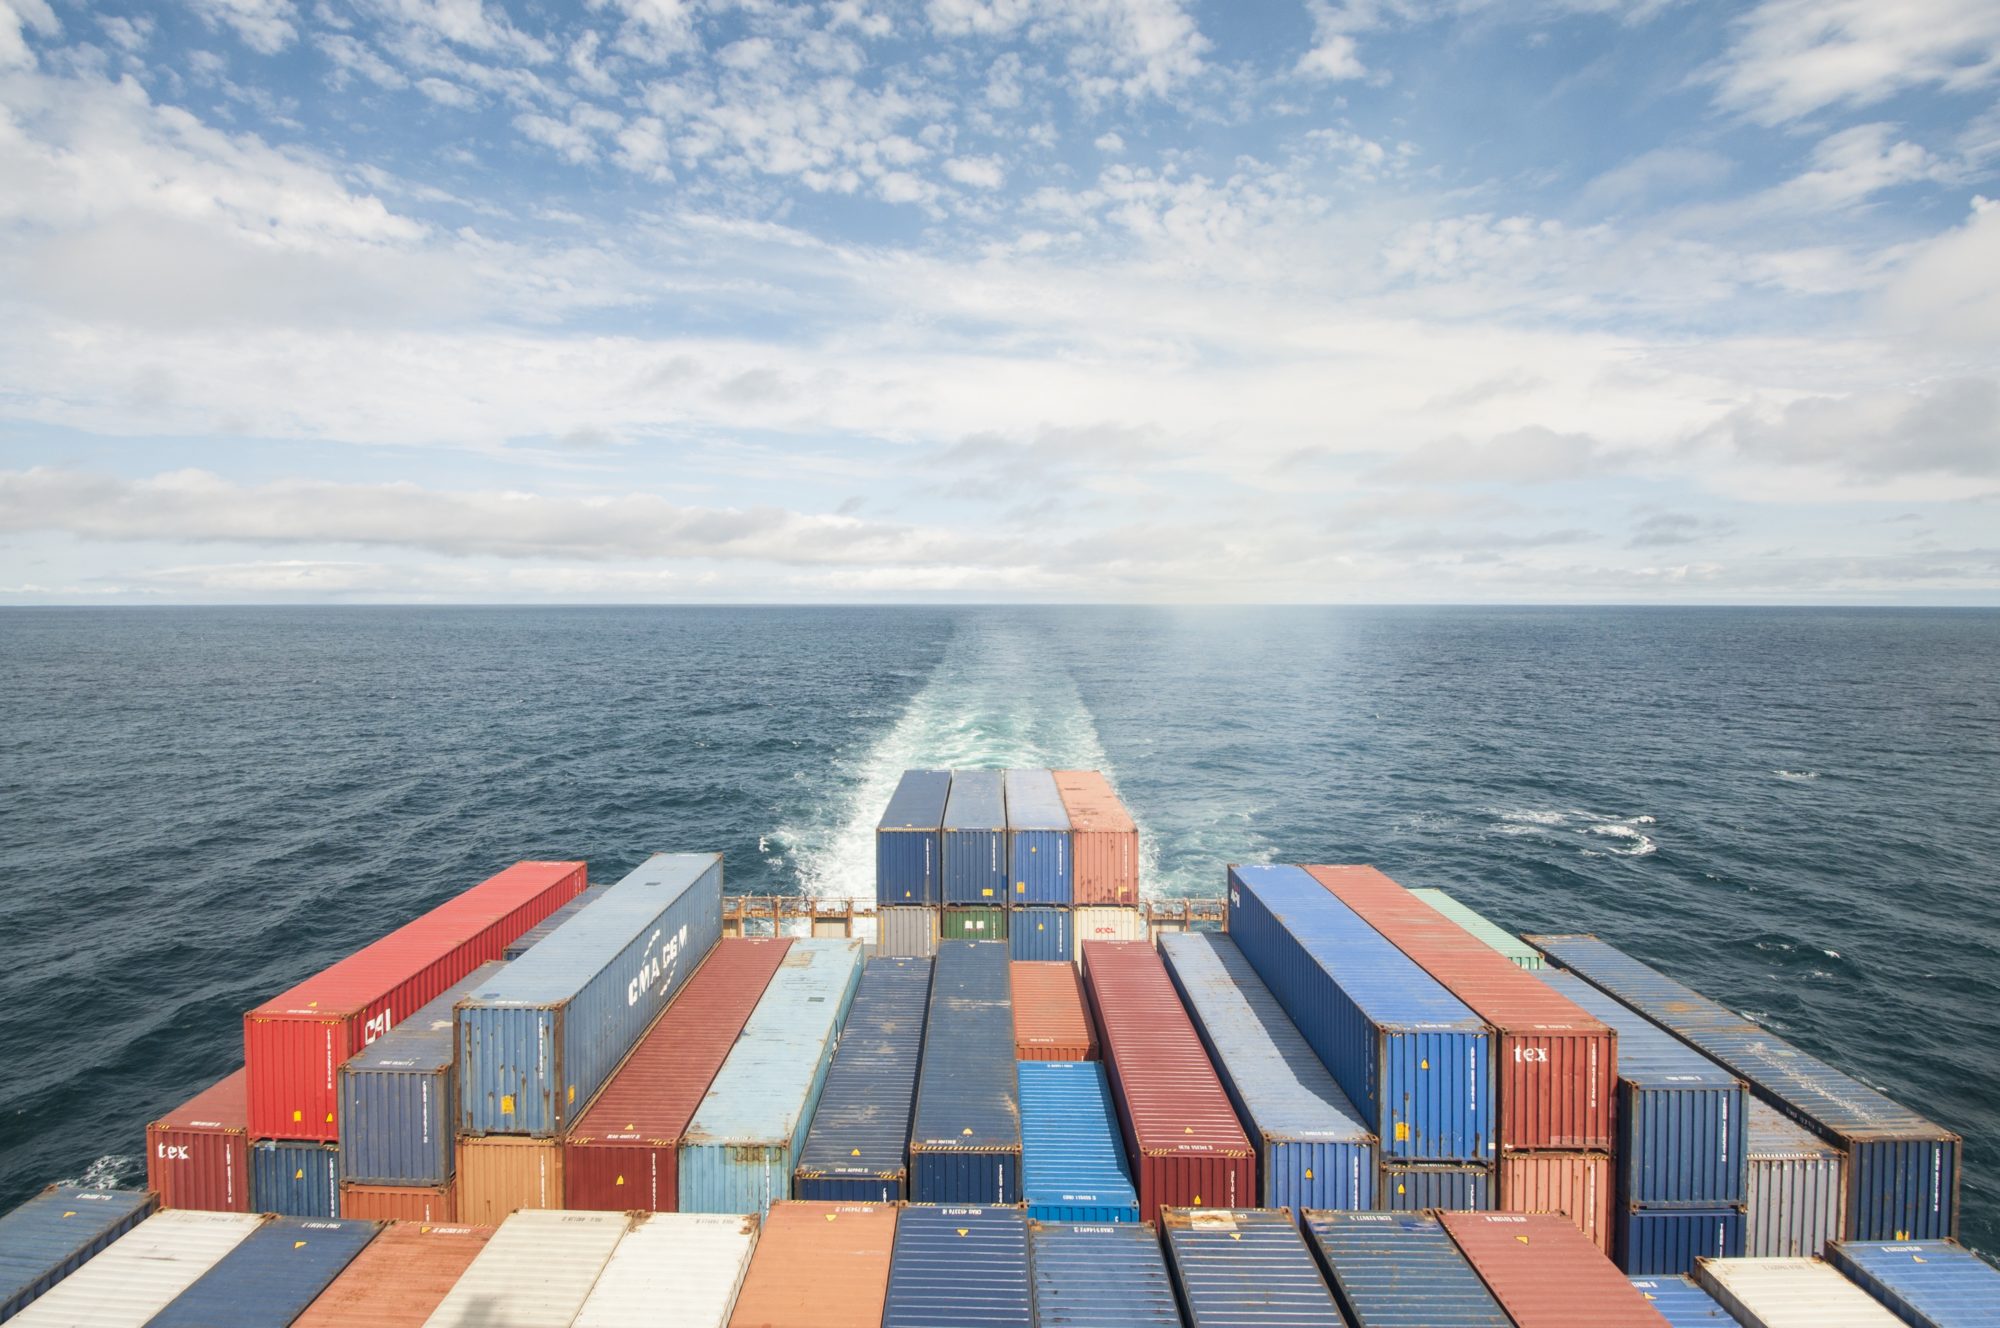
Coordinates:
[1186,1146]
[1050,1023]
[399,1203]
[1556,1062]
[819,1265]
[1545,1274]
[1577,1185]
[1104,841]
[198,1155]
[399,1279]
[502,1174]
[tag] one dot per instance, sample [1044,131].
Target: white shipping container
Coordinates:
[693,1262]
[1796,1195]
[1790,1293]
[142,1272]
[536,1272]
[1104,923]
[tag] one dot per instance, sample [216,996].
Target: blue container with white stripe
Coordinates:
[1394,1270]
[1925,1283]
[1039,870]
[56,1232]
[270,1277]
[1245,1267]
[909,843]
[858,1149]
[965,1143]
[295,1178]
[1683,1304]
[1667,1241]
[1414,1187]
[1312,1149]
[1408,1054]
[1039,934]
[959,1268]
[1073,1166]
[975,839]
[1100,1276]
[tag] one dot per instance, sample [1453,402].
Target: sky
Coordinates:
[1000,300]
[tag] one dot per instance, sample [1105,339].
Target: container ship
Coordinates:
[1012,1090]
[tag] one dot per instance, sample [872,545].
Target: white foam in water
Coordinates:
[1800,775]
[110,1172]
[1629,840]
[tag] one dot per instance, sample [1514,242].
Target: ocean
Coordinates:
[1796,811]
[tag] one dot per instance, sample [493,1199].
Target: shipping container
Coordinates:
[271,1277]
[1050,1023]
[396,1098]
[680,1268]
[1790,1293]
[1681,1117]
[738,1152]
[1399,1270]
[294,1043]
[819,1265]
[1040,935]
[906,932]
[1577,1185]
[1545,1274]
[1667,1241]
[1517,951]
[503,1174]
[624,1151]
[537,1042]
[1927,1283]
[521,944]
[959,1268]
[975,839]
[399,1279]
[1413,1187]
[296,1178]
[858,1148]
[198,1155]
[1038,860]
[1682,1303]
[1072,1159]
[973,924]
[909,856]
[1109,924]
[1557,1064]
[1312,1149]
[1101,1275]
[535,1272]
[965,1142]
[57,1232]
[1406,1052]
[1104,844]
[399,1203]
[1796,1192]
[1902,1170]
[1187,1148]
[1245,1268]
[140,1273]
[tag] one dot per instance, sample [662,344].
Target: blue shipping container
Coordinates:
[959,1268]
[537,1042]
[1312,1149]
[965,1146]
[270,1278]
[1039,870]
[295,1178]
[1683,1304]
[1407,1052]
[975,839]
[1400,1271]
[1925,1283]
[1667,1241]
[1072,1157]
[1411,1188]
[909,847]
[858,1149]
[1902,1171]
[396,1098]
[1040,934]
[526,940]
[743,1144]
[1246,1268]
[1100,1276]
[55,1233]
[1681,1117]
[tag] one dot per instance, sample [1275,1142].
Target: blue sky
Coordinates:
[1341,300]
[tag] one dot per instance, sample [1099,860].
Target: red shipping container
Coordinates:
[1187,1148]
[294,1044]
[1545,1274]
[1556,1064]
[622,1153]
[198,1155]
[819,1265]
[1049,1019]
[1104,840]
[1577,1185]
[399,1203]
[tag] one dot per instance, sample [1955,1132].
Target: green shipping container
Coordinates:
[975,924]
[1487,930]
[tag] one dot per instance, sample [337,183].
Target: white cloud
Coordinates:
[1335,54]
[1948,290]
[265,26]
[978,172]
[1130,48]
[1791,58]
[17,19]
[467,23]
[1951,427]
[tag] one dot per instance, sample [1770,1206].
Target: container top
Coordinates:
[1375,1259]
[978,801]
[422,1041]
[967,1267]
[141,1272]
[48,1230]
[535,1272]
[1108,1275]
[1033,802]
[1768,1135]
[371,972]
[693,1262]
[1938,1283]
[1285,1090]
[270,1277]
[1246,1268]
[1071,1152]
[526,941]
[223,1105]
[1682,1303]
[862,1124]
[819,1265]
[1517,951]
[918,802]
[1092,804]
[1048,1006]
[1648,1055]
[966,1087]
[1386,984]
[399,1279]
[574,953]
[1546,1274]
[1790,1293]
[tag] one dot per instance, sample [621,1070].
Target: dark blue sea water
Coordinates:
[1796,811]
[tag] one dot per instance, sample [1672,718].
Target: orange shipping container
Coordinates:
[1546,1275]
[1577,1185]
[819,1265]
[399,1203]
[1104,840]
[1049,1019]
[398,1279]
[499,1174]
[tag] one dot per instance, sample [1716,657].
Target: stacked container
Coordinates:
[1038,842]
[1100,923]
[1050,1023]
[1072,1161]
[1929,1283]
[967,1267]
[538,1269]
[858,1149]
[1099,1276]
[271,1277]
[909,849]
[142,1272]
[1516,951]
[295,1177]
[1396,1270]
[965,1142]
[1238,1267]
[906,932]
[1796,1190]
[1545,1274]
[57,1232]
[683,1268]
[1104,845]
[819,1265]
[399,1278]
[1790,1293]
[1041,933]
[975,841]
[198,1155]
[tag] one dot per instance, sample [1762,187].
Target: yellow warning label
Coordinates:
[1522,1239]
[987,891]
[298,1115]
[1197,1201]
[299,1174]
[506,1104]
[961,1231]
[1402,1131]
[1424,1064]
[298,1244]
[1309,1173]
[854,1152]
[572,1094]
[619,1181]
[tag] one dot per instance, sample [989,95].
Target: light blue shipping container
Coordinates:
[537,1042]
[1246,1268]
[959,1268]
[1073,1165]
[1039,869]
[1408,1054]
[1683,1304]
[295,1178]
[1312,1149]
[526,940]
[975,839]
[1400,1270]
[1925,1283]
[56,1232]
[1040,934]
[909,851]
[270,1277]
[741,1148]
[1100,1276]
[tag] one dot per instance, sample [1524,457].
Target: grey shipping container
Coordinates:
[1109,1275]
[1796,1194]
[537,1042]
[959,1268]
[1244,1268]
[1039,870]
[269,1279]
[858,1149]
[295,1178]
[909,848]
[965,1145]
[56,1232]
[1400,1270]
[906,933]
[526,940]
[975,839]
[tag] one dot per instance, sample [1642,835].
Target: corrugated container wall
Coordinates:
[1517,951]
[1665,1241]
[399,1279]
[271,1277]
[295,1042]
[141,1272]
[537,1042]
[1312,1149]
[1038,934]
[906,932]
[198,1155]
[1926,1283]
[1072,1160]
[1100,1276]
[1050,1023]
[1790,1293]
[680,1268]
[963,1267]
[502,1174]
[741,1147]
[1399,1271]
[965,1143]
[535,1272]
[297,1179]
[819,1265]
[909,851]
[1104,844]
[1796,1192]
[975,839]
[57,1232]
[525,942]
[858,1148]
[1109,924]
[1243,1268]
[399,1203]
[973,924]
[1545,1274]
[1406,1052]
[1414,1187]
[1038,859]
[1682,1303]
[624,1151]
[1577,1185]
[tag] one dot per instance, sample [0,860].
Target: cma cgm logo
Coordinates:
[654,965]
